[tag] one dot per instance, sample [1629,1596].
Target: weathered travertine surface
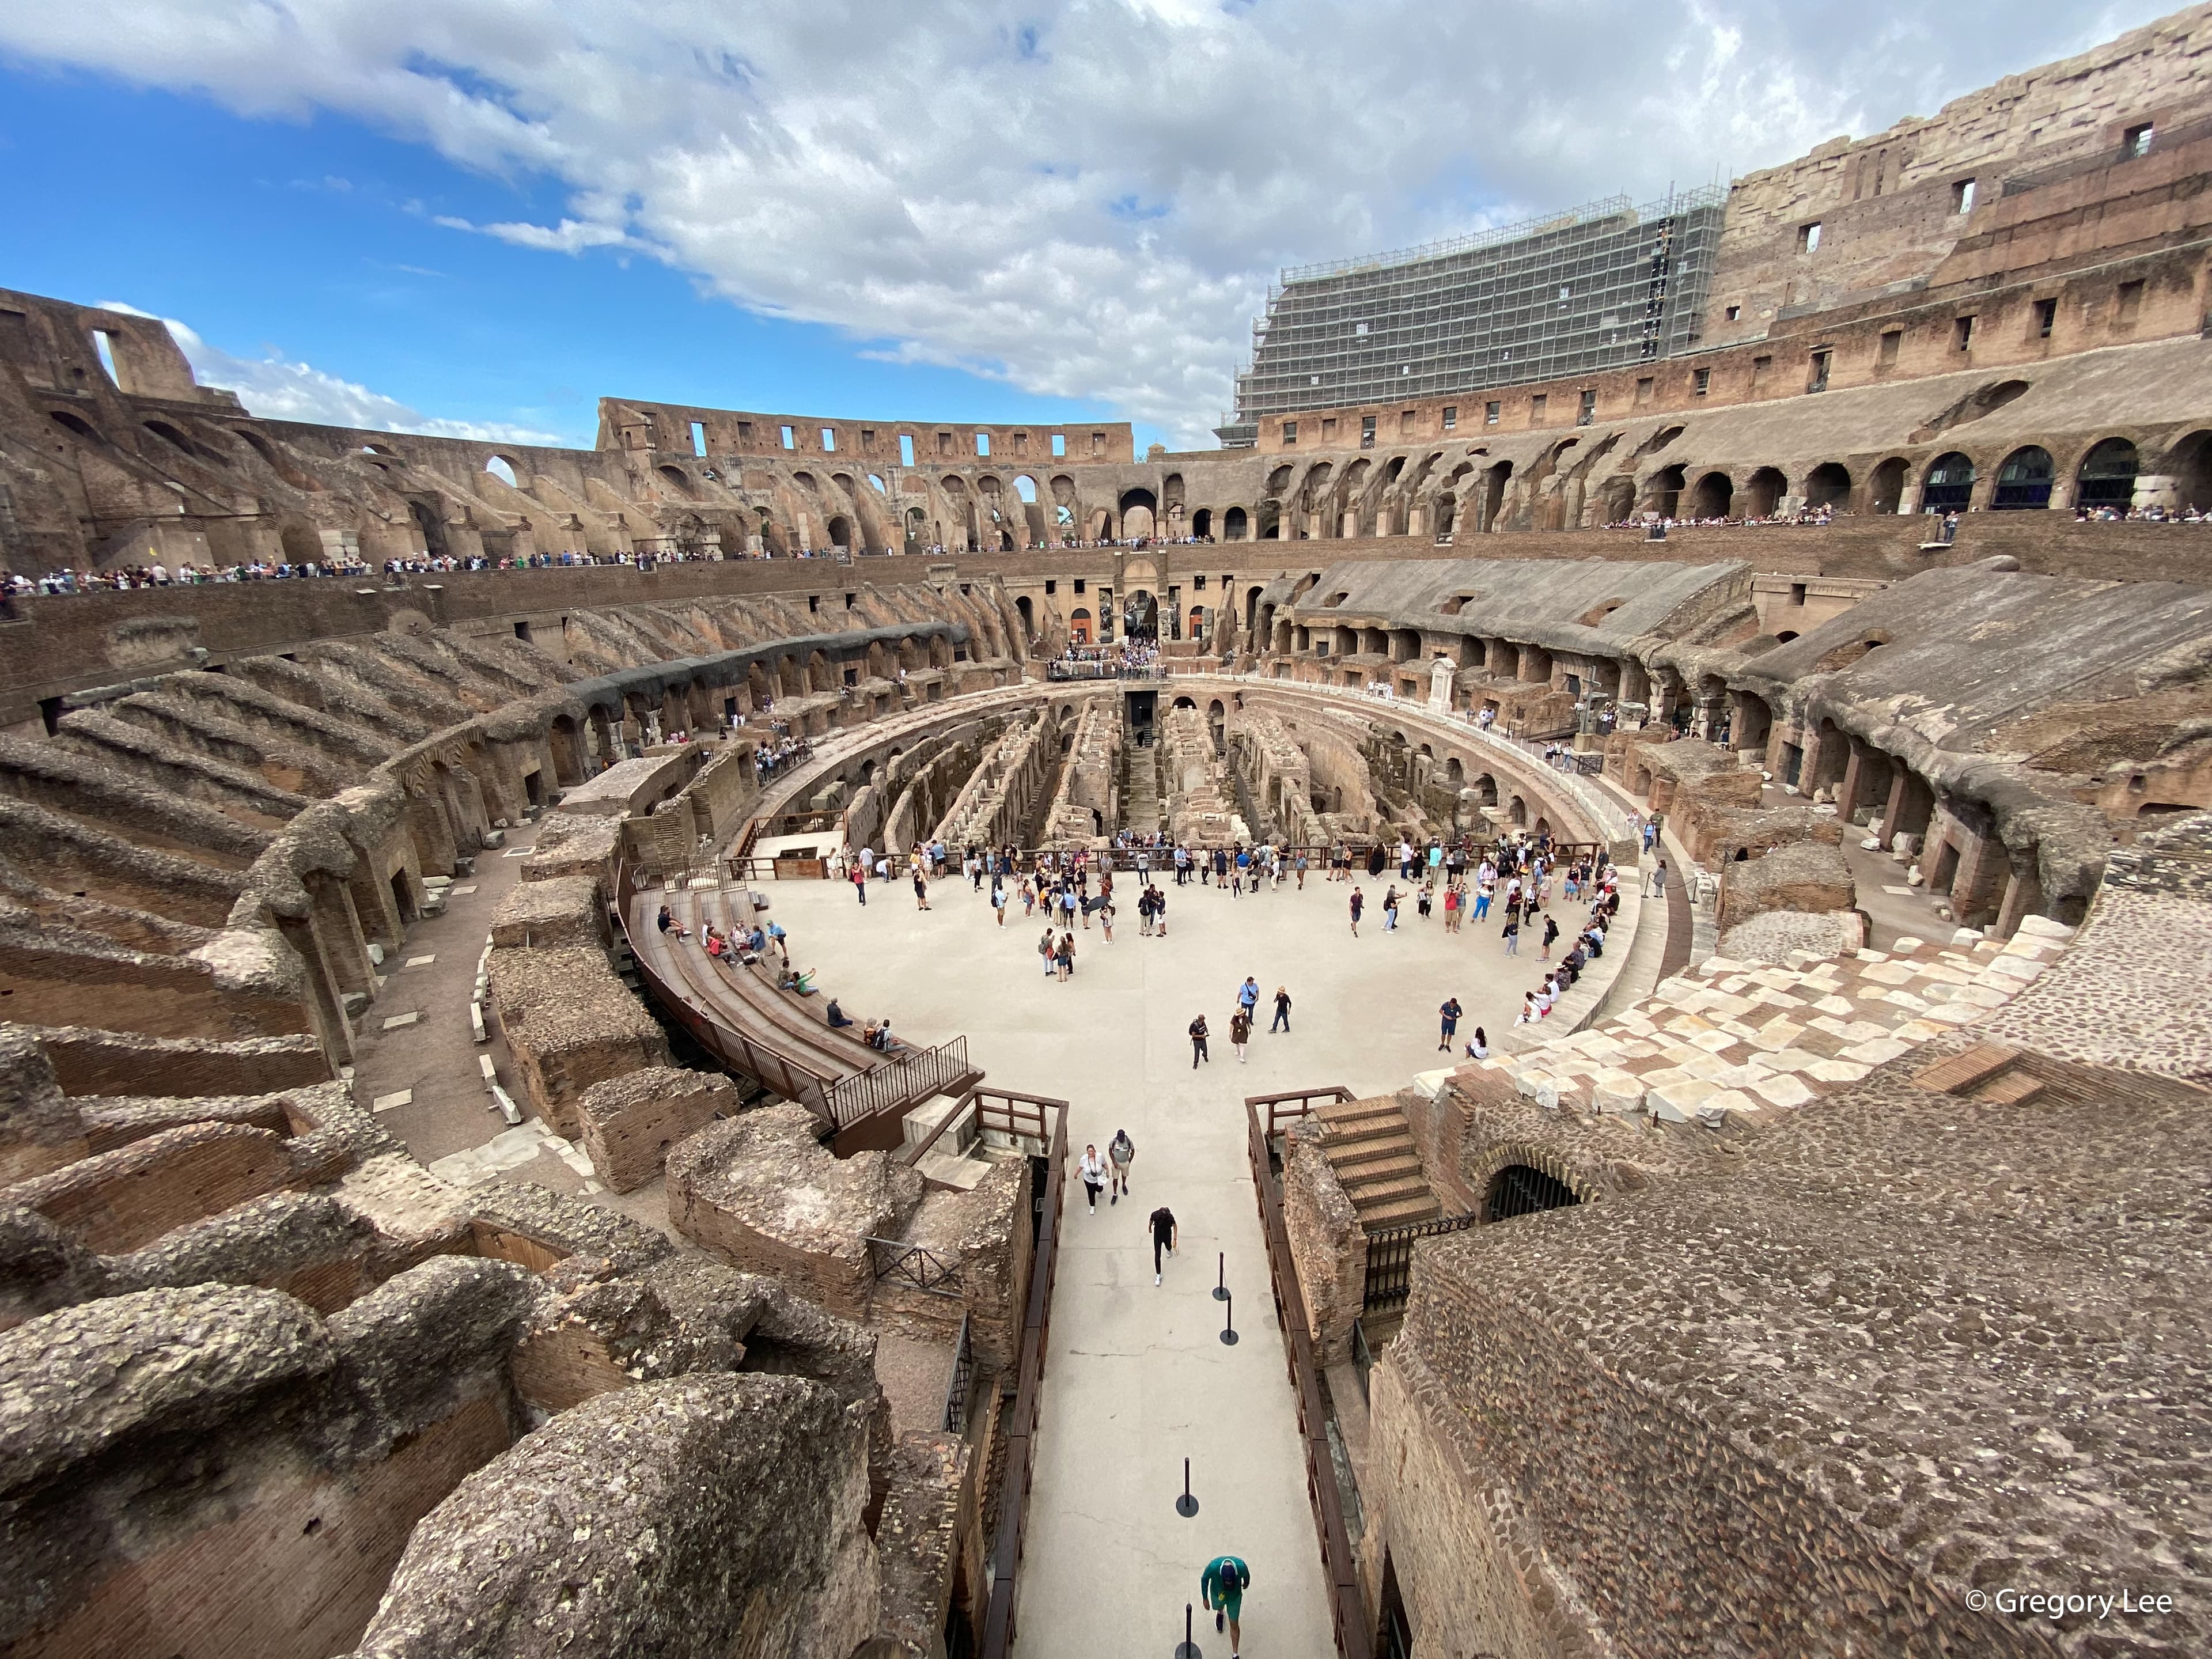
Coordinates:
[709,1516]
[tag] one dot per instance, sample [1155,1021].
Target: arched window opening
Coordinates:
[2107,478]
[1518,1189]
[504,469]
[1764,491]
[1949,486]
[2023,481]
[1714,496]
[1828,485]
[1887,489]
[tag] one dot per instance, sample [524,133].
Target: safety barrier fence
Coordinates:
[1340,1569]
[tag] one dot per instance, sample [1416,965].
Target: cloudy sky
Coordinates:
[477,216]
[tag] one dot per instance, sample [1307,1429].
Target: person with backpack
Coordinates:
[1119,1152]
[1163,1223]
[1221,1588]
[1197,1035]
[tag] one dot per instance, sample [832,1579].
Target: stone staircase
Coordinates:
[1140,790]
[1368,1145]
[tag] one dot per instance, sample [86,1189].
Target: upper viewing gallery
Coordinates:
[534,1115]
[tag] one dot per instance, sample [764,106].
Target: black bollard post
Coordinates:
[1228,1320]
[1187,1648]
[1186,1505]
[1221,1290]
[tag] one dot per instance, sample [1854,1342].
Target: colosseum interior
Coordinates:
[416,1243]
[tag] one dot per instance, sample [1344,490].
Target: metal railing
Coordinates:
[1390,1259]
[1348,1616]
[964,1373]
[914,1264]
[904,1080]
[1021,1427]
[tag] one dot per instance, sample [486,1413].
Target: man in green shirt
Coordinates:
[1221,1587]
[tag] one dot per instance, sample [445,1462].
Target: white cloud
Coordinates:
[278,388]
[1085,197]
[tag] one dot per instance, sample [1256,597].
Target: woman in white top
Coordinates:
[1480,1048]
[1094,1173]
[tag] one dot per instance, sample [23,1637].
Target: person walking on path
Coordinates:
[1095,1175]
[1044,949]
[999,901]
[1247,995]
[1302,872]
[1121,1151]
[1512,933]
[1221,1588]
[1659,880]
[1240,1032]
[1106,919]
[1282,1010]
[1163,1238]
[1551,932]
[1449,1014]
[1197,1035]
[1358,903]
[1390,911]
[860,875]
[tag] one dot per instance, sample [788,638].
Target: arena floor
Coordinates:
[1137,1377]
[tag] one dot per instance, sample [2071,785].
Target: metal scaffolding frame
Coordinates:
[1601,286]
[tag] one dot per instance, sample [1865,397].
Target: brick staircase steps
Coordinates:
[1371,1149]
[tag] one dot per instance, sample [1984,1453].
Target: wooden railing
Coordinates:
[1021,1426]
[1006,1111]
[1294,1103]
[1348,1616]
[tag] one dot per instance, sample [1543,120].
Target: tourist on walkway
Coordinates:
[860,875]
[1065,956]
[1659,880]
[920,888]
[1282,1012]
[1478,1048]
[1197,1035]
[1106,919]
[1551,932]
[1390,911]
[1240,1032]
[998,900]
[1451,908]
[1302,872]
[1449,1013]
[1119,1152]
[1160,913]
[1045,950]
[1512,933]
[1163,1238]
[1248,994]
[1358,903]
[1221,1588]
[1095,1175]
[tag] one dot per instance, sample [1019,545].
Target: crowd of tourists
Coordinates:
[1134,659]
[1805,518]
[127,578]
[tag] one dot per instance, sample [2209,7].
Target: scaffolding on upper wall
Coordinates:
[1603,287]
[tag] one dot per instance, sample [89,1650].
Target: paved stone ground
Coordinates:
[1740,1042]
[1136,1376]
[447,1119]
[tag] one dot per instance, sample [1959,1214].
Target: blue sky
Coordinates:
[313,240]
[485,214]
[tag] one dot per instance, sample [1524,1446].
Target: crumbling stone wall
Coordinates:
[1086,802]
[630,1122]
[569,1023]
[1199,812]
[753,1490]
[1807,876]
[761,1193]
[1326,1243]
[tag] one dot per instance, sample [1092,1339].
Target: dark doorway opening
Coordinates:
[1517,1190]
